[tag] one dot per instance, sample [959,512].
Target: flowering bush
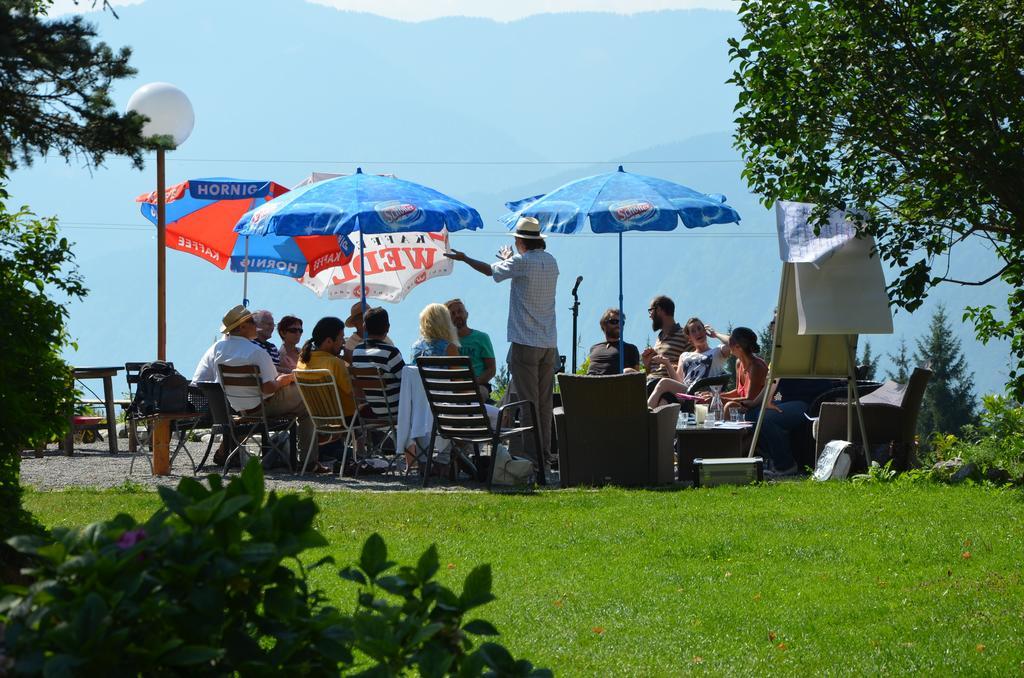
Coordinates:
[212,584]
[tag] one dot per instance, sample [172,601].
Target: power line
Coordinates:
[455,162]
[104,226]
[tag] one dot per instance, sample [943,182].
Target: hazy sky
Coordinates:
[500,10]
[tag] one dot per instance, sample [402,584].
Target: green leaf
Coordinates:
[200,514]
[433,661]
[374,558]
[252,480]
[231,507]
[353,574]
[480,627]
[476,590]
[395,585]
[326,560]
[193,489]
[426,633]
[280,602]
[90,617]
[428,564]
[173,500]
[27,543]
[497,658]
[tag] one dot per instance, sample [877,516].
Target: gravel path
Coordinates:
[92,465]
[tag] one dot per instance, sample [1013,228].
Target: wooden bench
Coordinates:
[160,438]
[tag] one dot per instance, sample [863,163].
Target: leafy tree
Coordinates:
[901,361]
[54,97]
[906,113]
[949,401]
[36,391]
[869,361]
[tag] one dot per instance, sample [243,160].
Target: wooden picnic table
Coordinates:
[107,375]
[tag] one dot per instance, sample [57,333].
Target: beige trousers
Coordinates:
[533,378]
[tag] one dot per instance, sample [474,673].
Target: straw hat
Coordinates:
[233,318]
[357,312]
[528,228]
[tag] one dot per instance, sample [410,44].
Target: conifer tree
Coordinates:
[766,339]
[901,361]
[949,401]
[869,361]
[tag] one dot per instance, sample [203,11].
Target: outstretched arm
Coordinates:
[476,264]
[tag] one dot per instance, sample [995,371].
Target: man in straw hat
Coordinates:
[532,334]
[281,397]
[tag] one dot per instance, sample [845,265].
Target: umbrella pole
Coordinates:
[362,271]
[622,318]
[245,276]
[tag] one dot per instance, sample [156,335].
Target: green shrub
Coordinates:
[996,441]
[213,584]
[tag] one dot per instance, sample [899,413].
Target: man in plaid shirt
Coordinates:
[533,356]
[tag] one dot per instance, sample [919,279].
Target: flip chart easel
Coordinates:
[824,305]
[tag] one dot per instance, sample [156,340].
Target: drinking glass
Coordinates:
[701,412]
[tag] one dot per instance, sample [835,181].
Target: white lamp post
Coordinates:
[170,115]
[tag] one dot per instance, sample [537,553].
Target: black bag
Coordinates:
[161,388]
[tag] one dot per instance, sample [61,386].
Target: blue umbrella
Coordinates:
[366,203]
[621,201]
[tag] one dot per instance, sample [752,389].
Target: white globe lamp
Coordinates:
[168,109]
[170,115]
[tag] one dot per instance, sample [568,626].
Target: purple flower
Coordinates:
[130,538]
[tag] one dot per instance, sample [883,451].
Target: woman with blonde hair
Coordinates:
[438,335]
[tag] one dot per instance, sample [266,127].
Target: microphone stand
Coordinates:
[575,314]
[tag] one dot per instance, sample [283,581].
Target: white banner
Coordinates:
[395,263]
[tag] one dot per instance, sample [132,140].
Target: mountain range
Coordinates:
[485,111]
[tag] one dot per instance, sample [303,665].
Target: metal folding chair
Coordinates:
[220,417]
[320,394]
[244,381]
[370,387]
[460,415]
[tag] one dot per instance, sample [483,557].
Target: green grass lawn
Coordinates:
[787,578]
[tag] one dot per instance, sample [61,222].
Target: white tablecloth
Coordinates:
[414,417]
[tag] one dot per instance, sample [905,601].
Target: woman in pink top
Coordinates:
[290,331]
[751,371]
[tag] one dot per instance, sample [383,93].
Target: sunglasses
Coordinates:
[294,329]
[612,321]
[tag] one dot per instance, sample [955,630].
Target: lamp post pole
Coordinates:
[169,119]
[161,258]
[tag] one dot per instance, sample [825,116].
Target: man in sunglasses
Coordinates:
[604,356]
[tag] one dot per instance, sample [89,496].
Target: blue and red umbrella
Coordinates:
[367,203]
[202,213]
